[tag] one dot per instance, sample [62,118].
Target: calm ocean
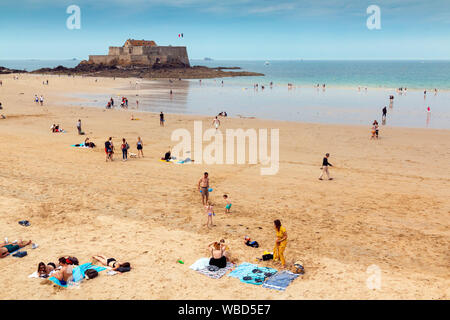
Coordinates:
[340,103]
[375,74]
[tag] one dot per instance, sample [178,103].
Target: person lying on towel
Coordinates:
[8,247]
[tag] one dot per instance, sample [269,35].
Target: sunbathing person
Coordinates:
[7,248]
[218,258]
[113,263]
[65,273]
[44,270]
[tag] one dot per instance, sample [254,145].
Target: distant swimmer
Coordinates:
[428,109]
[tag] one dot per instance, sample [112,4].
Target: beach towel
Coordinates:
[216,274]
[79,145]
[200,264]
[280,281]
[251,273]
[78,273]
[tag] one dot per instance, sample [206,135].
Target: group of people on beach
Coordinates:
[64,271]
[39,100]
[124,147]
[220,252]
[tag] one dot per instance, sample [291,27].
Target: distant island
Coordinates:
[207,59]
[143,59]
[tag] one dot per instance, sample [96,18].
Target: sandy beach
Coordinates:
[388,205]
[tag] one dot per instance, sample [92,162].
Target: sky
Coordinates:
[230,29]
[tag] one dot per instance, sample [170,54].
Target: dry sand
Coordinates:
[388,205]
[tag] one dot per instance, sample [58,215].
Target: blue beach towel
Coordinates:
[280,281]
[244,272]
[78,273]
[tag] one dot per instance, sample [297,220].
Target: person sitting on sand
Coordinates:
[167,156]
[8,247]
[88,144]
[113,263]
[226,251]
[44,270]
[65,273]
[218,258]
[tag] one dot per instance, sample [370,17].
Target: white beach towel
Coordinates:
[200,264]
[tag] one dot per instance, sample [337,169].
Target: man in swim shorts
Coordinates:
[7,248]
[203,186]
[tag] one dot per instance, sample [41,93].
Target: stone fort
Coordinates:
[142,53]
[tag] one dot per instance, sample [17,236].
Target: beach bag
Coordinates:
[253,244]
[91,273]
[127,146]
[266,257]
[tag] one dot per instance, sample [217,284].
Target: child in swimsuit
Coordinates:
[228,206]
[210,212]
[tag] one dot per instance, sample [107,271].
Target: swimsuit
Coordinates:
[12,247]
[221,262]
[228,206]
[111,260]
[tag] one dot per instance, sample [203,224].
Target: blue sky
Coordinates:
[230,29]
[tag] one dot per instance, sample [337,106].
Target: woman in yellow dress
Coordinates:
[280,243]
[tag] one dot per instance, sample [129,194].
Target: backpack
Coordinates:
[91,273]
[127,146]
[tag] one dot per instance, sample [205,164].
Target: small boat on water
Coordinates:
[267,63]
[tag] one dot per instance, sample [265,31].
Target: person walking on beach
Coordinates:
[216,123]
[140,146]
[41,99]
[124,148]
[109,149]
[384,113]
[280,243]
[203,186]
[161,119]
[324,167]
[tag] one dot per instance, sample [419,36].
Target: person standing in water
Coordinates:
[324,167]
[384,113]
[203,186]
